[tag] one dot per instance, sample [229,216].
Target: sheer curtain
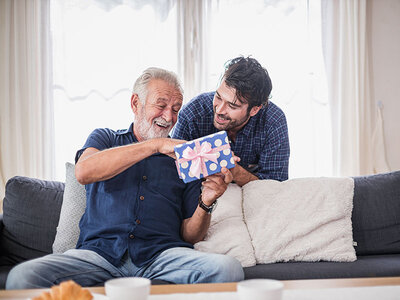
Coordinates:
[100,48]
[284,36]
[358,146]
[193,29]
[26,106]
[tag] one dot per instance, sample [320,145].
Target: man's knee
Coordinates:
[17,276]
[232,269]
[25,276]
[225,269]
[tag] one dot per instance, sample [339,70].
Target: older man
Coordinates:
[140,219]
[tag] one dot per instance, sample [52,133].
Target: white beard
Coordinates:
[149,130]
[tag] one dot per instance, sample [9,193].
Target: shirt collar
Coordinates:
[128,131]
[249,127]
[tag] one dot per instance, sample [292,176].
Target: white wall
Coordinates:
[384,18]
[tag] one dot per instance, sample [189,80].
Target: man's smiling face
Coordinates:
[230,113]
[158,115]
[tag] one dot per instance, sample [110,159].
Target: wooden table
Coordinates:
[231,287]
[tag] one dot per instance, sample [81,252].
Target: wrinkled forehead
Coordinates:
[162,91]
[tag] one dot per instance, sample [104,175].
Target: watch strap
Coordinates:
[208,209]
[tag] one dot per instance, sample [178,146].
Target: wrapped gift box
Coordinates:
[204,156]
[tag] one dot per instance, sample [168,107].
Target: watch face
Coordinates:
[213,206]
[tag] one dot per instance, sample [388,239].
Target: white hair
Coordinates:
[140,86]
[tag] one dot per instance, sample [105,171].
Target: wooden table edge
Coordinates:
[288,284]
[231,287]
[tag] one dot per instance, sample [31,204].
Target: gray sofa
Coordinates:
[32,210]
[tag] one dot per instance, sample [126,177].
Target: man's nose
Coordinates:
[220,109]
[168,115]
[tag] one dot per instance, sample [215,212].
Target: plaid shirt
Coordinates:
[262,144]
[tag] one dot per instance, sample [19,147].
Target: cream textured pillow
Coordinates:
[72,209]
[228,233]
[305,219]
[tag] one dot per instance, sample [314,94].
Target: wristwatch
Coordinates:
[208,208]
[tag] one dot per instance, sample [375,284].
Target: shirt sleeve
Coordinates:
[100,138]
[274,159]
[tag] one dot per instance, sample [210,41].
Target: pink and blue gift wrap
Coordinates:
[204,156]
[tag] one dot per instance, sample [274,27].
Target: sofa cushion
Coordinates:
[376,214]
[364,266]
[31,210]
[72,209]
[228,233]
[302,219]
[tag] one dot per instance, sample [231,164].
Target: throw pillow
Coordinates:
[72,209]
[31,213]
[228,233]
[376,213]
[305,219]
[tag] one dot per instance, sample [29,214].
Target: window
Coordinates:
[284,36]
[100,48]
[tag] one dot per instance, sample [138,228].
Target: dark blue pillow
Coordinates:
[31,210]
[376,214]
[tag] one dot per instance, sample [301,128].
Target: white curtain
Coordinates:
[346,53]
[26,115]
[193,21]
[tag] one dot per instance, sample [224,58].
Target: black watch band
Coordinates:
[208,209]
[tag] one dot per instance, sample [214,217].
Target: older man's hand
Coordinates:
[166,146]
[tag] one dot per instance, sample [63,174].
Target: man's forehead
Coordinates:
[175,100]
[229,96]
[161,91]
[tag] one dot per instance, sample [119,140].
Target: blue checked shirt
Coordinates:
[262,144]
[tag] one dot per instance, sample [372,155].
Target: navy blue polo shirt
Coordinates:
[140,209]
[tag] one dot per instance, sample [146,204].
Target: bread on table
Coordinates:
[67,290]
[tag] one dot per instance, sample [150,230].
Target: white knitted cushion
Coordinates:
[302,219]
[228,232]
[72,209]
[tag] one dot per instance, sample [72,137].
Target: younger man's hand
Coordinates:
[215,185]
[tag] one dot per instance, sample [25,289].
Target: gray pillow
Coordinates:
[72,209]
[376,214]
[30,216]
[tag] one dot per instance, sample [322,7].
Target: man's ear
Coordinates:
[134,103]
[254,110]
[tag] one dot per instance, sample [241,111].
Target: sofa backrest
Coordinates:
[31,211]
[376,214]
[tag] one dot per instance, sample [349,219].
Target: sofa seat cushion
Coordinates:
[376,214]
[31,210]
[364,266]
